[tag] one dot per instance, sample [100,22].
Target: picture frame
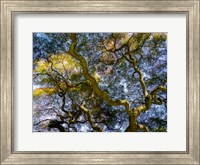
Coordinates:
[10,8]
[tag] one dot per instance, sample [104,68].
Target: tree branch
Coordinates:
[141,76]
[142,128]
[95,86]
[87,112]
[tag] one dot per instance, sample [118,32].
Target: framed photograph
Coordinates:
[100,82]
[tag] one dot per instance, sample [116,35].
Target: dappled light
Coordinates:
[100,82]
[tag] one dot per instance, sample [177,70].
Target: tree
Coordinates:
[100,82]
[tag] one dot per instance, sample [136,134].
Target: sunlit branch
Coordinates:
[149,99]
[141,76]
[157,100]
[155,91]
[94,84]
[87,112]
[142,128]
[158,89]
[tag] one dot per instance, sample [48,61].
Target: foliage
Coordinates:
[100,82]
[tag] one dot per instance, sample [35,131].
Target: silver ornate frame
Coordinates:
[10,7]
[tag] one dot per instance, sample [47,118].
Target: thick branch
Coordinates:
[93,82]
[132,114]
[95,86]
[158,89]
[154,93]
[149,99]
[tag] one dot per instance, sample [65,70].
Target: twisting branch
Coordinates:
[94,84]
[132,60]
[155,91]
[87,112]
[102,94]
[149,99]
[141,76]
